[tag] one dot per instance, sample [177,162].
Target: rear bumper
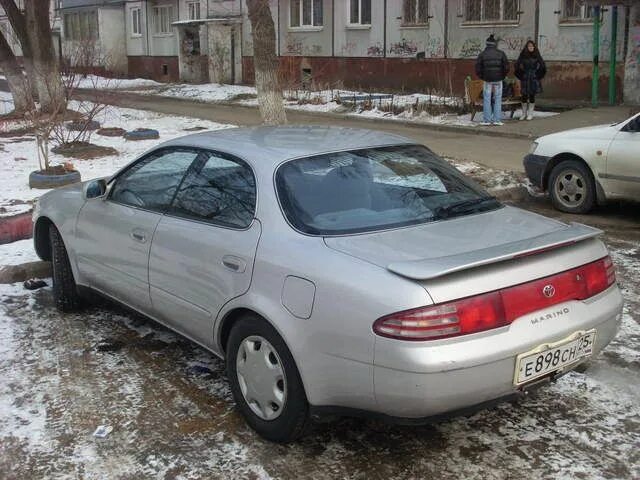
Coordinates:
[535,166]
[414,381]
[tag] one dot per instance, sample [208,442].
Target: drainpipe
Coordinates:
[333,28]
[612,53]
[384,29]
[445,32]
[596,56]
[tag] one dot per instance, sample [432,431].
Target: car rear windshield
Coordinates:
[375,189]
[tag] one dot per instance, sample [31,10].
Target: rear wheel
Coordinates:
[265,381]
[65,292]
[571,187]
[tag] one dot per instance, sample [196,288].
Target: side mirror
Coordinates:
[95,189]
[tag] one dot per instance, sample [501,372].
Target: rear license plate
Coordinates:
[552,357]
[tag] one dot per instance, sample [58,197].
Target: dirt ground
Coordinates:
[172,415]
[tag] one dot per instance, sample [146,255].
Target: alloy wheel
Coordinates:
[570,188]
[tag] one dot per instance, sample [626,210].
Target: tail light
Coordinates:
[498,308]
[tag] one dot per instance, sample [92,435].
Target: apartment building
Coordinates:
[381,44]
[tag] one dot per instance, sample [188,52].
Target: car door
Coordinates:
[623,161]
[204,246]
[114,232]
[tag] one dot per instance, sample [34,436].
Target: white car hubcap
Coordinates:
[571,188]
[261,377]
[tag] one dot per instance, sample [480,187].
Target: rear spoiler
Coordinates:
[438,267]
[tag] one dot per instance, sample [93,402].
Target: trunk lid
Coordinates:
[440,248]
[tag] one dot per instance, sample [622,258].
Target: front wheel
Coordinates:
[571,187]
[65,292]
[265,381]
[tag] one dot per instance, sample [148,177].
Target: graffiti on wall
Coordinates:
[349,48]
[471,48]
[559,46]
[376,50]
[296,45]
[404,48]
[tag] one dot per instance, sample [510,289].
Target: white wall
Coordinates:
[558,40]
[163,45]
[112,40]
[136,44]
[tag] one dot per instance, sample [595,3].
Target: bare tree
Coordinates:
[18,85]
[33,30]
[265,63]
[19,26]
[45,62]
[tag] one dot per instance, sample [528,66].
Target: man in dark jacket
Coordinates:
[492,66]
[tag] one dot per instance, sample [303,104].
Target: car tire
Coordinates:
[290,420]
[571,187]
[65,291]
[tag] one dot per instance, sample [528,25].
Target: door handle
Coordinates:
[233,263]
[139,235]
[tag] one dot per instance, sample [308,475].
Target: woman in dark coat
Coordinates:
[530,70]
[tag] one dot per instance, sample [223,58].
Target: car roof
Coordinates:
[268,146]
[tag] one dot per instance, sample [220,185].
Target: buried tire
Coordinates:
[571,187]
[65,292]
[265,381]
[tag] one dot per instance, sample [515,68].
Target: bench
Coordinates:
[473,96]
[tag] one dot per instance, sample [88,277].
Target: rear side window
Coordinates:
[151,183]
[375,189]
[218,189]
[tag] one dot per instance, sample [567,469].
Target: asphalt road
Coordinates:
[495,152]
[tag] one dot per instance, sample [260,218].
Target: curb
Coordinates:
[16,227]
[24,271]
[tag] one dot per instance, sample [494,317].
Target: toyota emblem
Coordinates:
[549,291]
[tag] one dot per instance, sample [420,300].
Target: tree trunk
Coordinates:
[265,63]
[19,26]
[18,85]
[632,62]
[45,63]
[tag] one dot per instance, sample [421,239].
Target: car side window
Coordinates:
[151,183]
[219,189]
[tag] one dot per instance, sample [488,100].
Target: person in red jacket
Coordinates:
[492,66]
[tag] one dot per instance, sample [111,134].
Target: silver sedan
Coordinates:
[336,271]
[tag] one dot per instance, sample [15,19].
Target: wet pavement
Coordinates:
[170,407]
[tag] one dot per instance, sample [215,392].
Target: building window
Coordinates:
[415,12]
[574,11]
[360,12]
[305,13]
[81,25]
[136,24]
[193,10]
[490,11]
[162,20]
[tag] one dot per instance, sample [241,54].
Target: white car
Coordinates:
[587,166]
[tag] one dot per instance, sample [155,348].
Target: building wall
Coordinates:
[467,39]
[632,62]
[112,39]
[162,44]
[136,44]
